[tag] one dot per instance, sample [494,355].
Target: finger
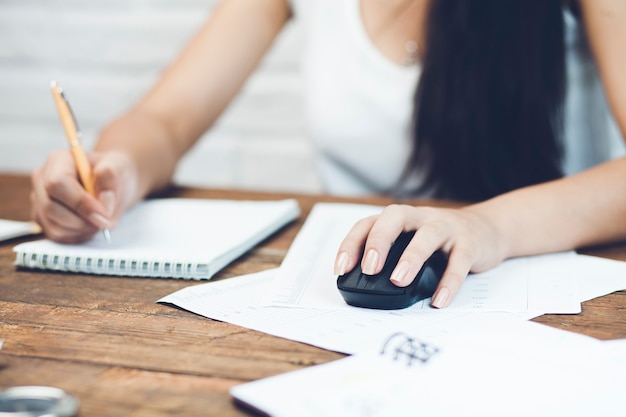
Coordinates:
[58,223]
[349,251]
[59,200]
[72,197]
[426,241]
[460,262]
[392,221]
[60,183]
[115,182]
[105,185]
[67,233]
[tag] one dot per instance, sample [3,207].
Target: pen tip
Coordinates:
[107,235]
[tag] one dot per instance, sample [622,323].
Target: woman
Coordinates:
[446,98]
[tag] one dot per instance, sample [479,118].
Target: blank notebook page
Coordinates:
[178,238]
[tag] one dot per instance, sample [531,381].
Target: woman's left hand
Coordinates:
[471,241]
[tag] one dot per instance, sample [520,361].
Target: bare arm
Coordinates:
[584,209]
[138,152]
[196,88]
[590,207]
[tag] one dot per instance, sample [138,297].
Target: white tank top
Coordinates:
[359,104]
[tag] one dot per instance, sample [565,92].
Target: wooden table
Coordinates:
[106,341]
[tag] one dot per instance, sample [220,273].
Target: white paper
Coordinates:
[525,373]
[352,329]
[544,284]
[10,229]
[617,347]
[348,330]
[518,290]
[599,276]
[306,274]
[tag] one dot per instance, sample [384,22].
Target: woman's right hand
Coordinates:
[66,211]
[152,137]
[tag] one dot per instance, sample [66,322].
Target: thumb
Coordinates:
[107,184]
[115,182]
[107,199]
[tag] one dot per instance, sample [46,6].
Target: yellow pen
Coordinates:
[73,137]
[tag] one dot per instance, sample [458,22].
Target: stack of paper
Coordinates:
[492,361]
[519,289]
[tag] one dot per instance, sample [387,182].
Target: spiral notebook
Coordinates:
[524,371]
[167,238]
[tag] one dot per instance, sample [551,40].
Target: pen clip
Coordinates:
[61,93]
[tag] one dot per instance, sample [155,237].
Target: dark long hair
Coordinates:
[488,107]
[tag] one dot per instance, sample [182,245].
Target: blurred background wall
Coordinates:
[107,53]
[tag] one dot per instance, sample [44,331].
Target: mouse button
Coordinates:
[369,285]
[438,261]
[429,276]
[395,252]
[357,281]
[350,280]
[427,283]
[397,248]
[380,285]
[403,239]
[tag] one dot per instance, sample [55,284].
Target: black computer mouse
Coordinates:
[377,291]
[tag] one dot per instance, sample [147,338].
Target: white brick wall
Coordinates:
[106,54]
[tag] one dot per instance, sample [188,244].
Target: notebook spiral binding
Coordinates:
[400,346]
[104,266]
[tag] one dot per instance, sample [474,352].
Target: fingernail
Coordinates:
[399,273]
[370,262]
[100,221]
[107,198]
[341,263]
[441,298]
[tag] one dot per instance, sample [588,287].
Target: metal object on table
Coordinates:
[37,401]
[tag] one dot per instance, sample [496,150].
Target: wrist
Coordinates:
[495,230]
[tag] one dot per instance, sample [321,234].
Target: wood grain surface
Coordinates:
[106,341]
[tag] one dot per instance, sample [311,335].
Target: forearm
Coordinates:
[585,209]
[210,71]
[148,145]
[195,89]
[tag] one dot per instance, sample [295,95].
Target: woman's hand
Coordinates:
[150,139]
[471,242]
[62,207]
